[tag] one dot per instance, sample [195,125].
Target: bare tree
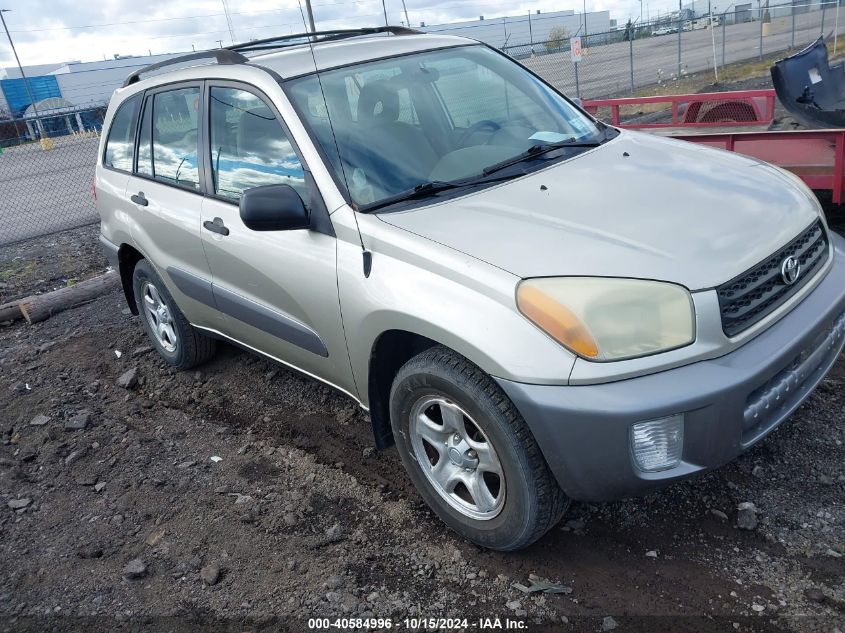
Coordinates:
[558,36]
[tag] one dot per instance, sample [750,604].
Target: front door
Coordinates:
[277,289]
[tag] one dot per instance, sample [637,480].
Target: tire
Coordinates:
[180,344]
[439,390]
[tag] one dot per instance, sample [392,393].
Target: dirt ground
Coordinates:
[246,497]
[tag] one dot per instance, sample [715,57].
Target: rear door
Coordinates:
[115,169]
[278,289]
[166,193]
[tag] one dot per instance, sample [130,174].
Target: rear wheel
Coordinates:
[176,340]
[470,453]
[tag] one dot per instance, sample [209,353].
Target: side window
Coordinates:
[249,148]
[121,139]
[173,123]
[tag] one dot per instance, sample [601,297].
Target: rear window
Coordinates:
[121,139]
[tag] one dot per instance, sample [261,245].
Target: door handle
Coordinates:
[139,199]
[216,226]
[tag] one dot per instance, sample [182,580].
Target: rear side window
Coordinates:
[121,138]
[249,147]
[167,142]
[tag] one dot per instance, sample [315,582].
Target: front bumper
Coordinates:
[729,403]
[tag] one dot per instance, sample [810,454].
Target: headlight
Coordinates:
[605,319]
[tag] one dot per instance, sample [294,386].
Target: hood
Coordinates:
[638,206]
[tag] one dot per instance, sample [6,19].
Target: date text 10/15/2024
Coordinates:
[417,624]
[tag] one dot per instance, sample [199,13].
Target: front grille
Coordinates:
[758,292]
[770,403]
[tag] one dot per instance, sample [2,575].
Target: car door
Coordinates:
[115,169]
[165,190]
[278,289]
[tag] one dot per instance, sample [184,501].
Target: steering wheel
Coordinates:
[484,124]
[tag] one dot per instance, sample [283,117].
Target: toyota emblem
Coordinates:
[790,270]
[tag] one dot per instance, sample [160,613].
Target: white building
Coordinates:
[79,85]
[525,28]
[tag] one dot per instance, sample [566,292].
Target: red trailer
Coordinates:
[816,156]
[711,109]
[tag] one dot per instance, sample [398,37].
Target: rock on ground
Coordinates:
[134,569]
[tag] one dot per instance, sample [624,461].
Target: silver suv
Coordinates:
[532,305]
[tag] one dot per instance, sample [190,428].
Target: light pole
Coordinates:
[20,68]
[384,8]
[310,15]
[407,19]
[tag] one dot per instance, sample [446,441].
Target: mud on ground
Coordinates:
[246,497]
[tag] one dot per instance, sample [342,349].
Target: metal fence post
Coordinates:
[760,16]
[792,6]
[680,28]
[724,20]
[631,57]
[824,6]
[577,85]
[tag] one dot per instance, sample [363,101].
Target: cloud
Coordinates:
[47,31]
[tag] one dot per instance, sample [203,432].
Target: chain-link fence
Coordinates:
[47,160]
[664,51]
[46,172]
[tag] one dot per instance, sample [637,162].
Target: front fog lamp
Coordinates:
[606,319]
[658,444]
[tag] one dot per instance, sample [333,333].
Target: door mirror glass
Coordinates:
[273,208]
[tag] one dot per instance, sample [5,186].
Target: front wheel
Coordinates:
[470,453]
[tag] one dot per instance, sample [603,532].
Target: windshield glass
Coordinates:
[436,116]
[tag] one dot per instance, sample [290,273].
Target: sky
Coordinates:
[52,31]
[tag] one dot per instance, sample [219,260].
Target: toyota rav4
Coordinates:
[532,305]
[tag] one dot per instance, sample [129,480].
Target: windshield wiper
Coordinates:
[429,189]
[423,190]
[538,150]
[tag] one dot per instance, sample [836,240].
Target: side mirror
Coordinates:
[273,208]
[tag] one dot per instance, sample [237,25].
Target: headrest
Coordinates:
[378,101]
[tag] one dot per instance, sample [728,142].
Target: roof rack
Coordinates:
[282,41]
[231,54]
[222,55]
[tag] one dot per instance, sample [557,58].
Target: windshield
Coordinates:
[437,116]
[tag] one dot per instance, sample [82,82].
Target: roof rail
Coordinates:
[318,36]
[222,55]
[231,54]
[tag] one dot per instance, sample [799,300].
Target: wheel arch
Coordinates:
[390,350]
[128,256]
